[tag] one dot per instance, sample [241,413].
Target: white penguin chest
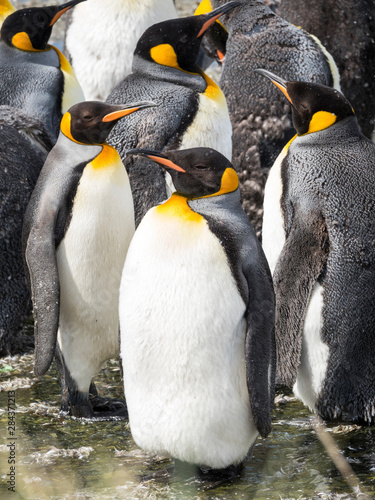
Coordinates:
[183,345]
[110,30]
[273,232]
[101,226]
[90,259]
[211,126]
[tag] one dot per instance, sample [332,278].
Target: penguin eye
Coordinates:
[200,167]
[87,118]
[184,38]
[40,20]
[304,107]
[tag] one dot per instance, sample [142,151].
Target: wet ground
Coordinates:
[60,457]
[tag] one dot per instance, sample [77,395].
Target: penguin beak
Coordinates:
[276,80]
[156,157]
[126,109]
[215,14]
[63,8]
[220,56]
[205,7]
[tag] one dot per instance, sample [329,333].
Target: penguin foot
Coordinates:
[106,407]
[216,477]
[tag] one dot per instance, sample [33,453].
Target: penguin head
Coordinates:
[90,122]
[176,42]
[215,38]
[30,29]
[314,106]
[196,172]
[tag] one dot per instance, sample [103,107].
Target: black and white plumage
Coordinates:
[35,76]
[101,37]
[260,118]
[192,109]
[77,229]
[197,319]
[319,239]
[347,30]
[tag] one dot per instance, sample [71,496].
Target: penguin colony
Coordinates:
[132,221]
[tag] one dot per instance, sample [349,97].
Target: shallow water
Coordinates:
[62,457]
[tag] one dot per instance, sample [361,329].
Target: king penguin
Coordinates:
[35,76]
[197,319]
[192,112]
[6,8]
[347,29]
[260,118]
[77,229]
[319,239]
[102,35]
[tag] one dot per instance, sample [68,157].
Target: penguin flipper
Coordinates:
[260,345]
[299,266]
[250,269]
[45,291]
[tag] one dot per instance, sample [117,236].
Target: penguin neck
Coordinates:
[343,130]
[180,205]
[108,156]
[150,69]
[177,207]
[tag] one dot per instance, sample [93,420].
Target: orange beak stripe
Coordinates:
[283,90]
[208,23]
[118,114]
[165,162]
[59,14]
[220,55]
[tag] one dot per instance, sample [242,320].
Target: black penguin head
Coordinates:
[215,38]
[90,122]
[30,29]
[196,172]
[176,42]
[314,106]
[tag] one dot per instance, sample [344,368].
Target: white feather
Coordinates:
[211,126]
[182,345]
[90,260]
[273,232]
[314,356]
[103,36]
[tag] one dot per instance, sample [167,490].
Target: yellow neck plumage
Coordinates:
[165,55]
[177,205]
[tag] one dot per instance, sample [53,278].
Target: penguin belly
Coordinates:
[183,345]
[211,126]
[314,355]
[105,57]
[90,259]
